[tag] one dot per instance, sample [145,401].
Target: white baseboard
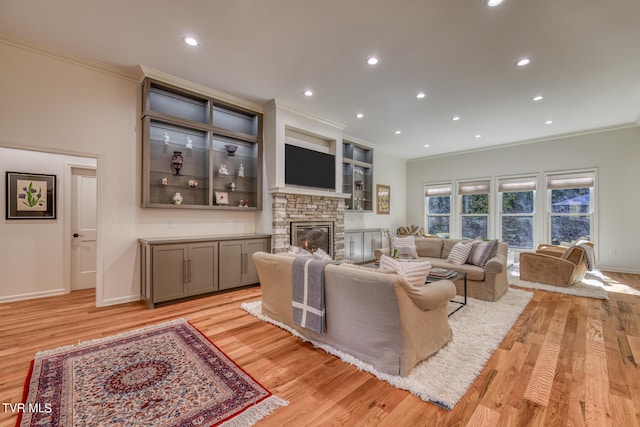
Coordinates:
[32,295]
[617,269]
[120,300]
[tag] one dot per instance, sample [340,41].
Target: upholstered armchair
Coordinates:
[554,265]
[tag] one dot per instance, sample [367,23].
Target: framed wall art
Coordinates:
[383,199]
[222,198]
[30,196]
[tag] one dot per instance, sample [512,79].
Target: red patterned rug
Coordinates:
[163,375]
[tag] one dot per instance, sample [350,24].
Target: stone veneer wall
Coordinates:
[289,208]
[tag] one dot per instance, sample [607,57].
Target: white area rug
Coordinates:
[592,286]
[478,329]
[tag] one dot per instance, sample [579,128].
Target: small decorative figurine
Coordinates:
[165,181]
[189,143]
[246,203]
[176,161]
[223,170]
[232,186]
[241,204]
[167,138]
[177,198]
[231,149]
[241,171]
[193,183]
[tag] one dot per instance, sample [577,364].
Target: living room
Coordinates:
[60,107]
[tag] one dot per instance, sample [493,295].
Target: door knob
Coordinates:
[77,235]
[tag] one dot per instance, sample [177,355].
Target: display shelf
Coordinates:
[357,176]
[192,139]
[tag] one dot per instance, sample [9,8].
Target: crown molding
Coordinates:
[145,71]
[275,104]
[530,141]
[127,73]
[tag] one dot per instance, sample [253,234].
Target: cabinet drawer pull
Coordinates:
[190,270]
[184,271]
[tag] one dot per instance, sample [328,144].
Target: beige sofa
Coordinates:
[487,283]
[377,317]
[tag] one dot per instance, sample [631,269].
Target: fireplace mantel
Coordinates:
[309,192]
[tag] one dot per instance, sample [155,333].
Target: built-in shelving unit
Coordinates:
[357,176]
[207,151]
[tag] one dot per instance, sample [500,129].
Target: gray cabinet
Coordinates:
[206,151]
[360,245]
[182,270]
[235,256]
[174,268]
[357,176]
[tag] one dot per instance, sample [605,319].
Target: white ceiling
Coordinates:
[585,60]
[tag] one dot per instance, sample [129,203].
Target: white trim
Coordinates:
[82,61]
[309,192]
[33,295]
[120,300]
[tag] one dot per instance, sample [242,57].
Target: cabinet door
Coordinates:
[169,272]
[353,246]
[251,247]
[203,267]
[231,264]
[372,241]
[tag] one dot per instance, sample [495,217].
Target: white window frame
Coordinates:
[585,178]
[514,184]
[476,186]
[438,190]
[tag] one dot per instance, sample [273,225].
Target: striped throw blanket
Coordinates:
[307,297]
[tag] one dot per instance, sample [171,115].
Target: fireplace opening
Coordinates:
[312,236]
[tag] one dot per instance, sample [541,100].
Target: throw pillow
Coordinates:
[408,252]
[406,247]
[459,253]
[484,252]
[475,243]
[414,272]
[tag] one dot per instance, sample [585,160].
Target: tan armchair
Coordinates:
[554,265]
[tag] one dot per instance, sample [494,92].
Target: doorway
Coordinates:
[83,227]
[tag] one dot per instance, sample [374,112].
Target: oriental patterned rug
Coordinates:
[168,374]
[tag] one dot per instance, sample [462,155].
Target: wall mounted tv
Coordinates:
[309,168]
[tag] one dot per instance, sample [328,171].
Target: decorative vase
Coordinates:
[177,198]
[232,186]
[176,161]
[231,149]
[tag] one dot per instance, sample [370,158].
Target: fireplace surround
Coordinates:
[313,235]
[291,209]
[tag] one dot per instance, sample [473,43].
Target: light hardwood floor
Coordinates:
[568,361]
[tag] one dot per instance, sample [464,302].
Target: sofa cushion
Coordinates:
[406,247]
[414,272]
[473,271]
[428,247]
[459,253]
[482,252]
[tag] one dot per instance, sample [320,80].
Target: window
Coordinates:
[571,206]
[474,204]
[437,200]
[517,210]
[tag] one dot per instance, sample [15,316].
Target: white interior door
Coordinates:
[84,228]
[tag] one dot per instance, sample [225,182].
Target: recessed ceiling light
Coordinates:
[538,98]
[372,60]
[426,145]
[398,132]
[359,115]
[548,122]
[191,41]
[420,95]
[522,62]
[493,3]
[455,118]
[478,136]
[308,92]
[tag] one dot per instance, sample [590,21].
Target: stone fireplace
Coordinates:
[297,217]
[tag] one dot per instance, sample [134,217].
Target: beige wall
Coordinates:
[615,154]
[51,104]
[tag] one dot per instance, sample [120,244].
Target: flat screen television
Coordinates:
[309,168]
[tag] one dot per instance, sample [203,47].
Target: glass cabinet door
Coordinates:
[235,172]
[178,165]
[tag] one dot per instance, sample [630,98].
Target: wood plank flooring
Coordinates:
[568,361]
